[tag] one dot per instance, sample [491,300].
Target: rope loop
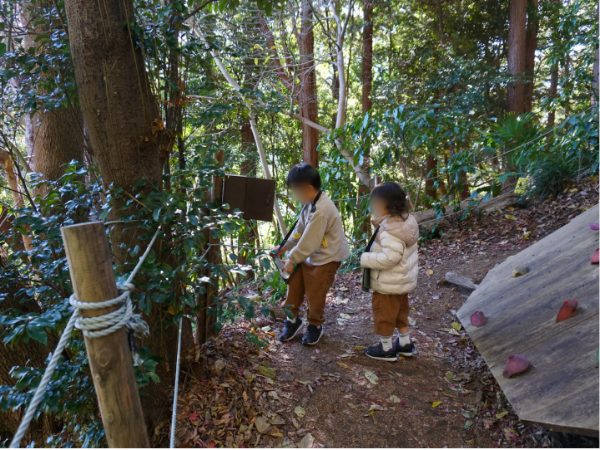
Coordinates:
[108,323]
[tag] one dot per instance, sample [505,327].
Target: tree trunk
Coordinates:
[517,51]
[531,45]
[308,85]
[552,92]
[119,110]
[55,137]
[127,135]
[367,88]
[431,175]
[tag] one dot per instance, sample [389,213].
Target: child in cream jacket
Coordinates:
[393,263]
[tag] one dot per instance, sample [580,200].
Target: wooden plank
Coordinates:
[460,281]
[561,390]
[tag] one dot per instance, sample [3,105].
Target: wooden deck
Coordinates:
[560,391]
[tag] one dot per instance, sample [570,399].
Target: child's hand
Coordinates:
[288,266]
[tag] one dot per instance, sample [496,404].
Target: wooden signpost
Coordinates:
[255,197]
[93,279]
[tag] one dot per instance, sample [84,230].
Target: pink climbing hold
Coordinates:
[595,257]
[567,310]
[478,319]
[515,365]
[594,226]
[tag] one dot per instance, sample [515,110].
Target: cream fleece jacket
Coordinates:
[393,257]
[319,235]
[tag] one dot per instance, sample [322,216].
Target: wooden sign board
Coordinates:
[255,197]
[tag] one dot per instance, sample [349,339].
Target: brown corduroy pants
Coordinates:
[389,311]
[312,282]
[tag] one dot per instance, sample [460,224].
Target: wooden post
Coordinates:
[93,279]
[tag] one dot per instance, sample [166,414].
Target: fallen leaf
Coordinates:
[501,414]
[436,404]
[456,326]
[510,217]
[276,419]
[299,411]
[262,424]
[219,365]
[394,399]
[265,371]
[515,365]
[342,365]
[307,441]
[429,272]
[371,376]
[376,407]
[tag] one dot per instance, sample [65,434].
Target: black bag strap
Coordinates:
[371,240]
[313,208]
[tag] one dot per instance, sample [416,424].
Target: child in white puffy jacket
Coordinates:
[392,263]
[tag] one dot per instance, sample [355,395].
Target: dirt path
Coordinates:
[334,396]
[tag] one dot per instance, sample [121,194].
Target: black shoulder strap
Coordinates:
[371,240]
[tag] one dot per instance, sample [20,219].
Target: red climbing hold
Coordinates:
[516,364]
[595,226]
[566,310]
[595,256]
[478,319]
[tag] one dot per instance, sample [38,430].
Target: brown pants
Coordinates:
[314,282]
[389,311]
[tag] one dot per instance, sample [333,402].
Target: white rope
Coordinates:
[176,388]
[39,393]
[91,327]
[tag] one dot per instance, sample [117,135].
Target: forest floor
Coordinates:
[275,394]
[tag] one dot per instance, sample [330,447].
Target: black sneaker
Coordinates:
[290,330]
[407,350]
[377,352]
[312,335]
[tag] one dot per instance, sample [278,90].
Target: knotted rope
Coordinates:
[91,327]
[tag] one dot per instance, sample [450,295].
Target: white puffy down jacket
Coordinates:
[393,257]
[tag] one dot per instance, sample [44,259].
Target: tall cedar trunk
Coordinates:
[517,56]
[367,88]
[126,132]
[552,92]
[308,85]
[531,45]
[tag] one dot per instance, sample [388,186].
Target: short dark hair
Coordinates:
[393,196]
[302,174]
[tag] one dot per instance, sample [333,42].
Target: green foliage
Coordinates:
[40,277]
